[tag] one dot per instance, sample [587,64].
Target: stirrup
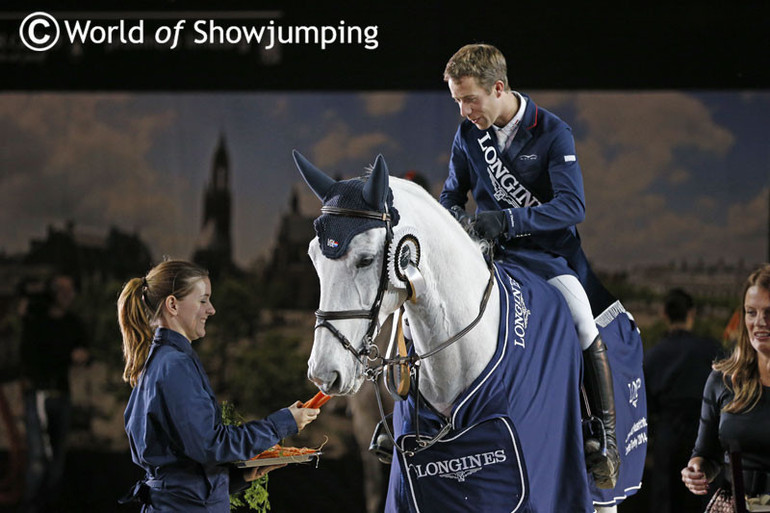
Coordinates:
[381,444]
[594,432]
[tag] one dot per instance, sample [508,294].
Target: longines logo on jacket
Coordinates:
[507,187]
[521,313]
[459,468]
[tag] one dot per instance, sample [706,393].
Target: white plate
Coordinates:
[299,458]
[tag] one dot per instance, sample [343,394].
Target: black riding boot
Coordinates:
[601,448]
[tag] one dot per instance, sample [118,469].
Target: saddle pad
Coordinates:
[479,469]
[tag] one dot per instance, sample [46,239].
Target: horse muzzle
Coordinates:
[332,370]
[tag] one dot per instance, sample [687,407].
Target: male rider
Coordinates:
[519,162]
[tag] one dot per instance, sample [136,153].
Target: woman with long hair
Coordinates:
[736,400]
[172,419]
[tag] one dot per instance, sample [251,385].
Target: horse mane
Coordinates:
[411,188]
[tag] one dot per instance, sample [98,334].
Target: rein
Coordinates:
[369,351]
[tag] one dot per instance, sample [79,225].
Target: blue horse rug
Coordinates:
[516,442]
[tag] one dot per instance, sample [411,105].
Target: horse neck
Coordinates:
[457,277]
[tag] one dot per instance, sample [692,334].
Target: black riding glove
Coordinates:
[490,225]
[465,220]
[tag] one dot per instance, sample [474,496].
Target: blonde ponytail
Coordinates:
[135,328]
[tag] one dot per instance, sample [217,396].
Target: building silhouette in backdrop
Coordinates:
[214,249]
[289,277]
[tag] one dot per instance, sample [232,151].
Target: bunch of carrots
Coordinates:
[317,401]
[278,451]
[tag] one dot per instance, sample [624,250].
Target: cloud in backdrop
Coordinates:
[656,166]
[668,175]
[84,158]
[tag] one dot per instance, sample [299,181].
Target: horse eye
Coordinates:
[364,261]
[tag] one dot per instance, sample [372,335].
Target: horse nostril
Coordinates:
[336,383]
[326,382]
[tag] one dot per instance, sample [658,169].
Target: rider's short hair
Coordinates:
[483,62]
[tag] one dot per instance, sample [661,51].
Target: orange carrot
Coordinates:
[278,451]
[317,401]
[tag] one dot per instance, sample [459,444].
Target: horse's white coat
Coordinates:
[456,276]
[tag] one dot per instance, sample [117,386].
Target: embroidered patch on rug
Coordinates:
[480,469]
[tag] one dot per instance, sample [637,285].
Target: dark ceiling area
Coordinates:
[634,46]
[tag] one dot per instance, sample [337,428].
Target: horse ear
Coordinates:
[316,179]
[376,189]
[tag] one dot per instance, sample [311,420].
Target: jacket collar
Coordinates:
[174,339]
[528,122]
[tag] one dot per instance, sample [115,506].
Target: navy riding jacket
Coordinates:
[537,180]
[538,183]
[175,430]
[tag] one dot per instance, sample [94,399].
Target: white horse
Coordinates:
[415,256]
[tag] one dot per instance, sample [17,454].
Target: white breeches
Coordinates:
[579,307]
[606,509]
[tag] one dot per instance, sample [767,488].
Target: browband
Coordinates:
[368,214]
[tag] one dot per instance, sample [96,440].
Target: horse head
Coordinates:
[349,254]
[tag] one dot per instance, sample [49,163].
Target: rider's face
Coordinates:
[481,107]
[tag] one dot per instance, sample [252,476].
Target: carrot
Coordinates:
[278,451]
[317,401]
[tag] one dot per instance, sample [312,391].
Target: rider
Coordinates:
[519,162]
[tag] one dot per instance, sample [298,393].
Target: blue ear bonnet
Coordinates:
[336,231]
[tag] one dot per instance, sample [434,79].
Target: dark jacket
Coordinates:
[175,430]
[538,183]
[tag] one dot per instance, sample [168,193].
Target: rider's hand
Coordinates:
[465,220]
[490,225]
[303,416]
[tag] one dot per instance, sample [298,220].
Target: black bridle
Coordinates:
[369,351]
